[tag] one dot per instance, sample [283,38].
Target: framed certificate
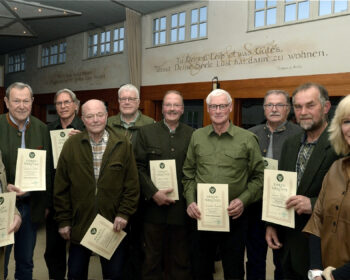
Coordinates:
[7,212]
[212,201]
[270,163]
[278,187]
[101,238]
[58,137]
[163,176]
[31,170]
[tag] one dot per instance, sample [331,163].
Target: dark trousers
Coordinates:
[25,239]
[79,258]
[257,247]
[55,251]
[166,250]
[231,247]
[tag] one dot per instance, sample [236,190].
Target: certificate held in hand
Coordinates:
[58,138]
[7,212]
[163,176]
[31,170]
[279,186]
[212,201]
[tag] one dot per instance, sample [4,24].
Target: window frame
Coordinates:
[18,65]
[51,53]
[99,47]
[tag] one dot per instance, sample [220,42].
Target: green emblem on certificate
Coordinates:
[62,134]
[265,163]
[32,155]
[93,231]
[162,165]
[212,190]
[1,200]
[279,177]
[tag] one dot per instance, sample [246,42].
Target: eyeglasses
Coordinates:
[92,116]
[65,103]
[128,99]
[214,107]
[25,102]
[176,106]
[277,106]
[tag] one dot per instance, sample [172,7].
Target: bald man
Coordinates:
[96,174]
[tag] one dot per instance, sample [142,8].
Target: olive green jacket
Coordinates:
[78,197]
[115,123]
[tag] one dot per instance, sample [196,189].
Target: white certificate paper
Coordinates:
[101,239]
[58,137]
[278,187]
[212,201]
[31,170]
[270,163]
[7,212]
[163,176]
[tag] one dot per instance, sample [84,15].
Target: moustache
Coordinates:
[274,115]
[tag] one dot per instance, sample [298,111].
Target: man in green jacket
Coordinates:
[222,153]
[166,233]
[21,130]
[96,174]
[129,119]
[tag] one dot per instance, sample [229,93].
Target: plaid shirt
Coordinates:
[98,150]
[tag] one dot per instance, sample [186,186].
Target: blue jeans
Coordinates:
[79,258]
[25,239]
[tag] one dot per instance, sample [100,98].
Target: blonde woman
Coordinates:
[329,225]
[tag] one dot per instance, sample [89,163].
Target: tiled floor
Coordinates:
[40,270]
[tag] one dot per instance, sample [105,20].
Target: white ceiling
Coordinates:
[69,17]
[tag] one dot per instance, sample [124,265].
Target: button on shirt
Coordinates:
[231,158]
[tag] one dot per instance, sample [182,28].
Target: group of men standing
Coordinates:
[104,168]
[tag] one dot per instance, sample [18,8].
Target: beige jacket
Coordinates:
[330,219]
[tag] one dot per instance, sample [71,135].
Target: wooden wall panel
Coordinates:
[2,103]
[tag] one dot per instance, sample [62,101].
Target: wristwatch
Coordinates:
[312,274]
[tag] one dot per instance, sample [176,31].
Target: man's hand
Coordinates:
[193,211]
[65,232]
[13,188]
[272,238]
[17,221]
[73,132]
[301,204]
[236,208]
[119,224]
[161,198]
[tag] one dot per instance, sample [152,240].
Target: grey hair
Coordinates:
[278,91]
[18,85]
[218,92]
[129,87]
[71,94]
[321,89]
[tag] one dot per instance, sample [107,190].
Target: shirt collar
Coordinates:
[25,124]
[132,123]
[230,130]
[280,128]
[170,130]
[104,138]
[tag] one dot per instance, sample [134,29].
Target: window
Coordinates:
[106,42]
[16,62]
[269,13]
[178,27]
[199,23]
[159,31]
[53,54]
[187,24]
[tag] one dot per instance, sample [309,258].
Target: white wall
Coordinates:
[231,53]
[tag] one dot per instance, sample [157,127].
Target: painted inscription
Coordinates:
[248,54]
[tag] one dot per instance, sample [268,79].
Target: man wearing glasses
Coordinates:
[222,153]
[166,236]
[129,119]
[271,137]
[67,107]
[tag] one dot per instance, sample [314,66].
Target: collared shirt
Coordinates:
[304,155]
[279,129]
[231,158]
[130,124]
[98,150]
[23,130]
[170,130]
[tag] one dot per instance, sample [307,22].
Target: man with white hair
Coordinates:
[224,154]
[129,119]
